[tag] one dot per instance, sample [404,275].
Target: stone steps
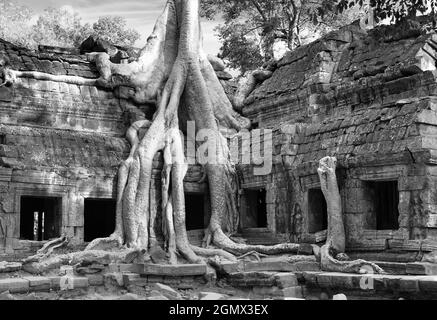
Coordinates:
[181,276]
[150,269]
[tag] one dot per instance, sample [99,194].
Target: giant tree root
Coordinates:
[336,240]
[329,263]
[87,257]
[222,241]
[47,249]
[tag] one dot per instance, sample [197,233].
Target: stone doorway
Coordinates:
[195,211]
[99,218]
[254,213]
[317,211]
[40,218]
[385,199]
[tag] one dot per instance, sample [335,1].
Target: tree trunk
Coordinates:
[332,253]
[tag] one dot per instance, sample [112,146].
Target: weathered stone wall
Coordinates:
[367,99]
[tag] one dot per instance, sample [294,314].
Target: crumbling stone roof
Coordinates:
[344,59]
[66,63]
[366,98]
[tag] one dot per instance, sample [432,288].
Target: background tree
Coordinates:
[60,27]
[259,24]
[114,29]
[391,10]
[14,25]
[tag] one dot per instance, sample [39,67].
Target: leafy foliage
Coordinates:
[13,23]
[114,29]
[59,27]
[251,26]
[394,11]
[241,51]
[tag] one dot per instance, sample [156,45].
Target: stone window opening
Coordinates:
[99,218]
[255,215]
[195,211]
[384,197]
[40,218]
[317,211]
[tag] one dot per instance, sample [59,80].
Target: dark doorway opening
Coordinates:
[195,211]
[317,211]
[385,196]
[99,218]
[256,208]
[40,218]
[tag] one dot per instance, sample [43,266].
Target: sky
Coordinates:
[140,15]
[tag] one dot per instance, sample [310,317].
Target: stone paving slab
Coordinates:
[131,267]
[174,270]
[14,285]
[399,283]
[9,266]
[37,281]
[421,268]
[283,266]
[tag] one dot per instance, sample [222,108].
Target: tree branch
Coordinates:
[258,8]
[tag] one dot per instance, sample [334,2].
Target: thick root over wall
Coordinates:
[174,71]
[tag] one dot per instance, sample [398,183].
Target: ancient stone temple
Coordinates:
[364,97]
[367,99]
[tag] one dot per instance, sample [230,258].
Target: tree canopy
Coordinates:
[59,27]
[114,29]
[13,23]
[394,11]
[251,28]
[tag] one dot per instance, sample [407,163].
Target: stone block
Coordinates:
[392,267]
[14,285]
[6,94]
[336,280]
[95,279]
[269,266]
[286,279]
[428,284]
[231,267]
[310,277]
[80,282]
[174,270]
[128,267]
[114,278]
[421,268]
[133,279]
[167,291]
[293,292]
[409,284]
[9,266]
[211,296]
[55,282]
[38,283]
